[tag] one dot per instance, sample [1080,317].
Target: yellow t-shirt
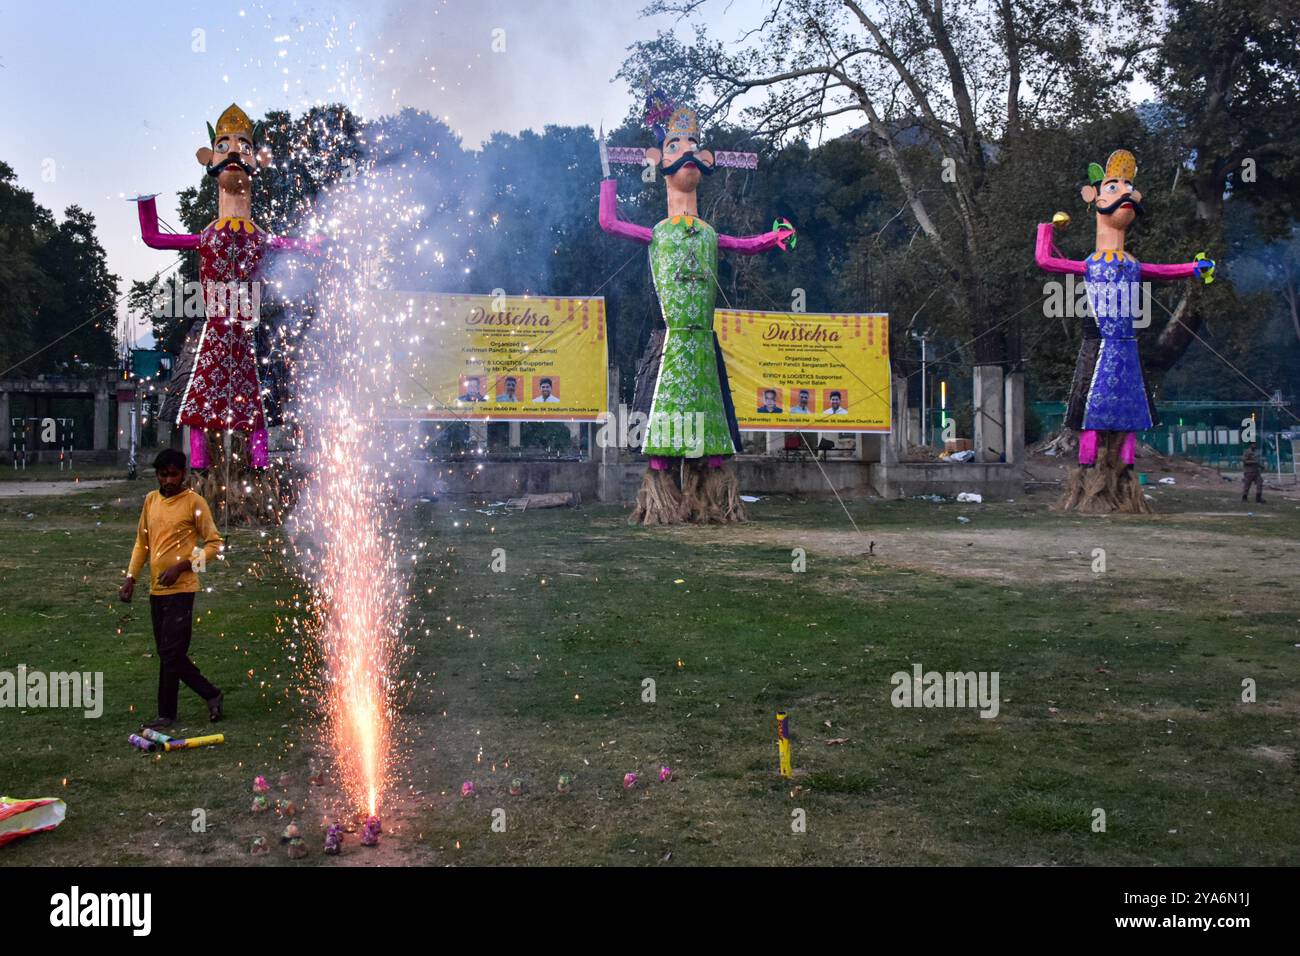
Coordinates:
[169,531]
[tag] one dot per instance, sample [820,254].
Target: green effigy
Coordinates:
[691,431]
[688,393]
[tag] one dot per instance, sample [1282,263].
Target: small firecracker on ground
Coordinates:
[286,807]
[629,781]
[290,833]
[260,785]
[370,832]
[259,847]
[783,744]
[516,787]
[334,840]
[564,784]
[260,804]
[467,789]
[665,774]
[286,781]
[297,848]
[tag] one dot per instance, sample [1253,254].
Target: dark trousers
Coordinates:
[1256,479]
[173,626]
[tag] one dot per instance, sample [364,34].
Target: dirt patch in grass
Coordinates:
[1028,556]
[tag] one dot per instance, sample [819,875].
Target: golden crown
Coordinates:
[1121,165]
[233,121]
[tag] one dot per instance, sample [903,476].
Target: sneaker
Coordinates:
[160,723]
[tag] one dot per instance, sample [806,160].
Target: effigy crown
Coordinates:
[1121,164]
[235,122]
[684,122]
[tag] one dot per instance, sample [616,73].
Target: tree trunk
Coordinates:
[658,501]
[711,495]
[706,496]
[255,495]
[1106,487]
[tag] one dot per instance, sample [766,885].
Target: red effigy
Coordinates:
[222,388]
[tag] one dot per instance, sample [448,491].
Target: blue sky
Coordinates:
[83,84]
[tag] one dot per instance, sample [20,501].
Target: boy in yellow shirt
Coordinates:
[174,521]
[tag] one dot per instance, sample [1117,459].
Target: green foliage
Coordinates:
[53,278]
[551,437]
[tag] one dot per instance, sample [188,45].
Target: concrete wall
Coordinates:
[498,480]
[989,415]
[906,480]
[618,481]
[103,423]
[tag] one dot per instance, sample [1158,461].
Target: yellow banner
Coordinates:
[803,371]
[500,358]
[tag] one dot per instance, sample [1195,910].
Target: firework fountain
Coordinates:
[344,523]
[392,218]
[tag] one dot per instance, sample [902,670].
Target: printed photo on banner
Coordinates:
[546,388]
[837,402]
[810,371]
[508,389]
[498,358]
[801,401]
[471,389]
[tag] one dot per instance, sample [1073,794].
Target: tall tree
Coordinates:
[943,91]
[80,318]
[1228,72]
[24,226]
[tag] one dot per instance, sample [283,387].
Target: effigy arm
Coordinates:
[1200,267]
[1048,261]
[609,220]
[149,232]
[782,236]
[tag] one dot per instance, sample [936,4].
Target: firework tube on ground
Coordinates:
[189,743]
[783,743]
[151,740]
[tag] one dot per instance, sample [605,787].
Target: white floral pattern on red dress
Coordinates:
[224,390]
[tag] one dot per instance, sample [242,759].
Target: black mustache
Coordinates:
[706,168]
[232,160]
[1107,210]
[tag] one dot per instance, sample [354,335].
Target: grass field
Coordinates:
[1120,689]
